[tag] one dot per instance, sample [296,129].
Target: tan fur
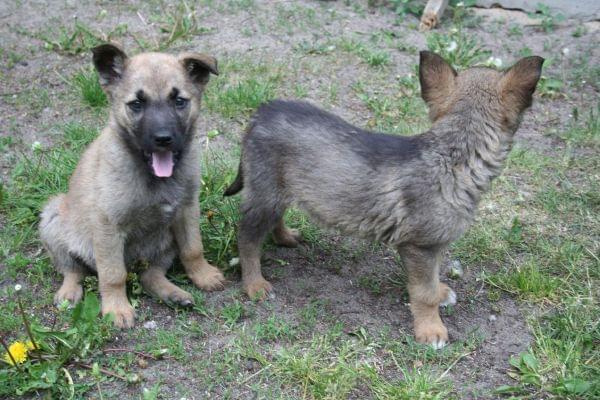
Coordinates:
[115,212]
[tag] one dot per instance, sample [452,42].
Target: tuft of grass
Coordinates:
[402,112]
[243,97]
[458,48]
[86,81]
[405,7]
[232,313]
[528,280]
[564,357]
[247,86]
[418,384]
[273,329]
[548,19]
[584,132]
[77,39]
[372,57]
[179,24]
[323,370]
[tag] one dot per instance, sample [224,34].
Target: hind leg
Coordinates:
[257,220]
[284,236]
[52,229]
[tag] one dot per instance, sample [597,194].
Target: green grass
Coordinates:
[547,257]
[76,39]
[584,130]
[548,18]
[54,350]
[373,57]
[458,48]
[528,281]
[179,24]
[401,112]
[88,85]
[248,85]
[219,215]
[35,178]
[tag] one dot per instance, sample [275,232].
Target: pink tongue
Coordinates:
[162,164]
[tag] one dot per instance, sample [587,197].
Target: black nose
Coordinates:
[163,138]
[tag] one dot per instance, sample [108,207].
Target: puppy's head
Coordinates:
[155,100]
[499,95]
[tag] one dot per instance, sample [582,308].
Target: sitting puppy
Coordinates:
[418,194]
[134,194]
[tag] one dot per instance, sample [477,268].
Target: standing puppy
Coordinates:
[134,194]
[416,193]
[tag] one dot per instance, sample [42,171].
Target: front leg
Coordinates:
[191,253]
[109,245]
[426,293]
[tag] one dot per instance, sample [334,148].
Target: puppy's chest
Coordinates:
[158,208]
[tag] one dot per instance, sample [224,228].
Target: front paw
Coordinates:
[258,289]
[431,332]
[208,278]
[123,313]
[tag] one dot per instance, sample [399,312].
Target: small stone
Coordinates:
[455,270]
[492,318]
[150,324]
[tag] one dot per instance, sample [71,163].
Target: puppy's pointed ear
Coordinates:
[436,77]
[109,61]
[199,67]
[519,81]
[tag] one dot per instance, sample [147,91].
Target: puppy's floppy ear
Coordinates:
[436,77]
[199,66]
[519,81]
[109,61]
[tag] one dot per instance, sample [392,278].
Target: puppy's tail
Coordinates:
[237,184]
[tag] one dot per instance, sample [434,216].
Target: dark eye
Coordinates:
[136,105]
[180,102]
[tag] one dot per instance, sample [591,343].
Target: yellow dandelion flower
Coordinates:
[19,351]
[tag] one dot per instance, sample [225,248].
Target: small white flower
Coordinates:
[234,261]
[494,61]
[36,146]
[565,51]
[460,4]
[453,45]
[18,288]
